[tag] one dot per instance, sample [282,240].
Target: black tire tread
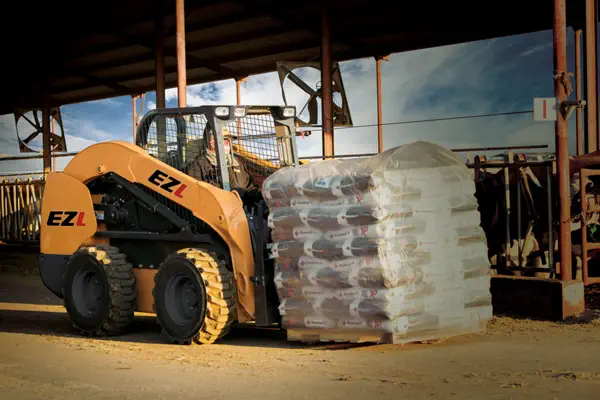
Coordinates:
[122,290]
[220,294]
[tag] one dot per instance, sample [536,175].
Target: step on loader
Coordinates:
[173,225]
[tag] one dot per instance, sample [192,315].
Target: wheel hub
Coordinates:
[181,299]
[88,291]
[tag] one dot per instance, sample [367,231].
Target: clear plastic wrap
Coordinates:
[389,243]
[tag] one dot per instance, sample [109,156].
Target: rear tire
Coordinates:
[100,291]
[194,297]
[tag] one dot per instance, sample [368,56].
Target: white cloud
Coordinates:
[107,102]
[87,128]
[535,49]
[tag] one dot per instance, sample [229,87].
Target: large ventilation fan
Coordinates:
[341,110]
[30,130]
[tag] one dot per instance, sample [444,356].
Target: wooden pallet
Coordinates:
[316,335]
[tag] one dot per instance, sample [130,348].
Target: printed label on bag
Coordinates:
[323,182]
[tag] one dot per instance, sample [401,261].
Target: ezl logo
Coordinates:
[168,183]
[65,218]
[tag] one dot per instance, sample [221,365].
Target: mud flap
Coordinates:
[52,271]
[67,221]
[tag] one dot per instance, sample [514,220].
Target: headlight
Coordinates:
[222,111]
[240,112]
[289,112]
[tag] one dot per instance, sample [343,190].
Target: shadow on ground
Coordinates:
[146,330]
[30,308]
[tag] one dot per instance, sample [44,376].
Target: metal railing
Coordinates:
[515,172]
[589,205]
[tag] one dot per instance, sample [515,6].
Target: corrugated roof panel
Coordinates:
[212,11]
[232,28]
[307,54]
[387,38]
[71,80]
[255,44]
[82,93]
[107,56]
[199,73]
[144,29]
[194,36]
[126,69]
[142,82]
[94,40]
[139,82]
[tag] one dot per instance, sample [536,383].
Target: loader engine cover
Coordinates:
[66,222]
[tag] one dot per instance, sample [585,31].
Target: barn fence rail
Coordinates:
[20,209]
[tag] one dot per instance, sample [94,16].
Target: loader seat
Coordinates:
[193,149]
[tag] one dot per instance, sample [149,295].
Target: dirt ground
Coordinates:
[41,357]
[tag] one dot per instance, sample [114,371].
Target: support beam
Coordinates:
[578,94]
[590,77]
[597,109]
[46,138]
[134,116]
[562,139]
[159,70]
[53,155]
[238,89]
[238,93]
[378,61]
[181,68]
[159,56]
[326,83]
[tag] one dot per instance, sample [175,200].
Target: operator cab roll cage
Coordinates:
[283,132]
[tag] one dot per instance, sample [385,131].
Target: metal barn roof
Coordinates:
[81,51]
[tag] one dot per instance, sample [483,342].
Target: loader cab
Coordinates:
[263,138]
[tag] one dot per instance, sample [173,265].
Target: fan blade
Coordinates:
[296,79]
[37,120]
[313,111]
[31,137]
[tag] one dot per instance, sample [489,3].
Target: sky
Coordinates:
[491,76]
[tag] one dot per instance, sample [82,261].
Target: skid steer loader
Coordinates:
[126,228]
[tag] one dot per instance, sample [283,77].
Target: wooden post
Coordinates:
[326,83]
[590,77]
[159,68]
[54,156]
[578,93]
[159,56]
[238,92]
[46,138]
[134,116]
[378,61]
[562,138]
[181,68]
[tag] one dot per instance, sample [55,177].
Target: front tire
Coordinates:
[100,291]
[194,297]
